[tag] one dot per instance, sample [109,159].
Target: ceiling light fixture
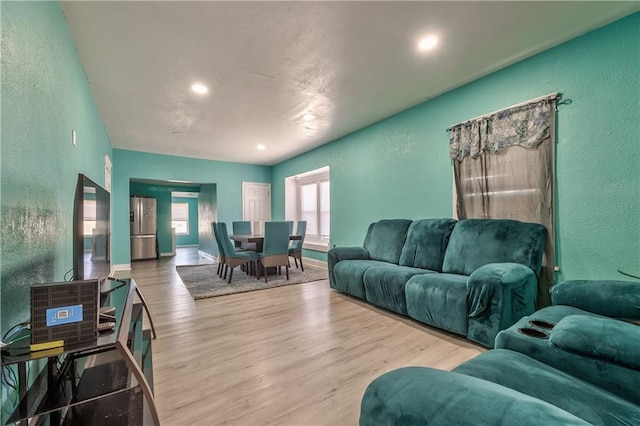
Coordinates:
[261,147]
[428,43]
[308,117]
[199,88]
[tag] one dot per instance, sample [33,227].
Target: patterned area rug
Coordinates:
[203,282]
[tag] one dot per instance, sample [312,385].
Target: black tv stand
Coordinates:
[106,381]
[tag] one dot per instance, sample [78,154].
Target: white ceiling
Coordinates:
[268,63]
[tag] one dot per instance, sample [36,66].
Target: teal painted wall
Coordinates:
[45,94]
[192,238]
[162,194]
[207,213]
[228,178]
[400,167]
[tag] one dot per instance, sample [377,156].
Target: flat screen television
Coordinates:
[91,231]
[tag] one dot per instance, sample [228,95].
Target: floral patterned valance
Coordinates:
[527,125]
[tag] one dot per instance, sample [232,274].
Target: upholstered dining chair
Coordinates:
[216,236]
[243,227]
[275,250]
[295,249]
[290,222]
[232,257]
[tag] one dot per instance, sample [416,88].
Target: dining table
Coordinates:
[258,240]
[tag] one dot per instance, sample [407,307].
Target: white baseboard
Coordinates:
[120,267]
[208,256]
[168,254]
[314,262]
[187,245]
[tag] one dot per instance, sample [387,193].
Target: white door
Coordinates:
[256,203]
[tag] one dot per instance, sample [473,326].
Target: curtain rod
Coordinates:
[554,95]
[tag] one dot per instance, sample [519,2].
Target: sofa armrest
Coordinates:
[420,396]
[607,339]
[612,298]
[498,295]
[336,254]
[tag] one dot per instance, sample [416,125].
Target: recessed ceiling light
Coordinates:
[199,88]
[428,43]
[308,117]
[261,147]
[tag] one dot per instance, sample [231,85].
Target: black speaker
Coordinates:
[65,311]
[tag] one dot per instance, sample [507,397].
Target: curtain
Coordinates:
[504,169]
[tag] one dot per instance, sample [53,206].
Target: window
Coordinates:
[307,197]
[180,218]
[89,211]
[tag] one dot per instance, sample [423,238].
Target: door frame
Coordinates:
[244,192]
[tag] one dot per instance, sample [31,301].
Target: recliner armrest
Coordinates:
[337,254]
[498,295]
[608,339]
[420,396]
[488,279]
[612,298]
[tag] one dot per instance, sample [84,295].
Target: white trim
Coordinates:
[315,246]
[208,256]
[167,254]
[188,245]
[120,267]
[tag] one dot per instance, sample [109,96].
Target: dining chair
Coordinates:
[243,227]
[290,222]
[232,257]
[275,249]
[295,249]
[216,235]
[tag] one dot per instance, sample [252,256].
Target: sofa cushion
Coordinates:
[384,286]
[533,378]
[615,378]
[613,298]
[349,275]
[439,300]
[385,239]
[426,243]
[604,338]
[423,396]
[477,242]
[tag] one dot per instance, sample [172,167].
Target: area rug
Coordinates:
[203,282]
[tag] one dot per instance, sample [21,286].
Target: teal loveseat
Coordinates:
[580,366]
[472,277]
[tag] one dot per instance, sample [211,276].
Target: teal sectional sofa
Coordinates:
[472,277]
[579,365]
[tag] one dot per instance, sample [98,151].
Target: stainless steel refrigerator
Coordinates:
[143,221]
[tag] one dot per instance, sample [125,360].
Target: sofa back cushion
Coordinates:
[385,239]
[477,242]
[426,243]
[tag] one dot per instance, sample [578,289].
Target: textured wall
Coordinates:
[228,178]
[45,95]
[192,238]
[400,167]
[162,194]
[207,213]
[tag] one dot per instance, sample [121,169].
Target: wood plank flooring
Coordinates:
[294,355]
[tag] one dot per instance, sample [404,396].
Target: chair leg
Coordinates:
[218,271]
[295,259]
[287,268]
[301,266]
[230,275]
[226,269]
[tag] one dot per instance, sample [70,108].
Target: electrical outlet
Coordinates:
[74,140]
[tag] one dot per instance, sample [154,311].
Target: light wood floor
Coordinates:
[294,355]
